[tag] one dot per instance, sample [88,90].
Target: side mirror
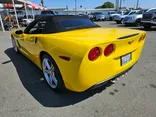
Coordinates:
[18,32]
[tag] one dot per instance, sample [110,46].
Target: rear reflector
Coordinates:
[65,58]
[94,54]
[108,50]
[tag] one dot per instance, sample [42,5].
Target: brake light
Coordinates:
[142,37]
[109,50]
[94,54]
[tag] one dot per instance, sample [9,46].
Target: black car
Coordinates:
[149,18]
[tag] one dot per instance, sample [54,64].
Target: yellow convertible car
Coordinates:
[76,54]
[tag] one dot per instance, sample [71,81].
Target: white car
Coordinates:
[110,15]
[119,18]
[25,22]
[134,19]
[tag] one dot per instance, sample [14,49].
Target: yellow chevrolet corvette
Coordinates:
[76,54]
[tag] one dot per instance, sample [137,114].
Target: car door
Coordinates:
[32,35]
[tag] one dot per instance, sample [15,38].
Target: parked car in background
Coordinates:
[134,19]
[149,18]
[98,16]
[110,15]
[82,14]
[91,16]
[45,13]
[119,18]
[25,22]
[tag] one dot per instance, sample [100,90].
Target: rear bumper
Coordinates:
[114,77]
[129,22]
[100,18]
[117,20]
[149,22]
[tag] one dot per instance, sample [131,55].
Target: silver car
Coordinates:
[134,19]
[98,16]
[110,15]
[119,18]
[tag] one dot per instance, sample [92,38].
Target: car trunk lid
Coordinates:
[99,35]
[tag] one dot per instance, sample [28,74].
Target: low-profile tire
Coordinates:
[147,26]
[52,74]
[138,22]
[118,22]
[14,44]
[122,21]
[111,19]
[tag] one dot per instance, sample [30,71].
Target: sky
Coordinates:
[89,4]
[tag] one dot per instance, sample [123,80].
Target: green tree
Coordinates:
[108,5]
[99,7]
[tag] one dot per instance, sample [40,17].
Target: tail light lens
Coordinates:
[108,50]
[142,37]
[94,54]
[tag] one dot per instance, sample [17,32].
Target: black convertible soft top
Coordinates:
[62,23]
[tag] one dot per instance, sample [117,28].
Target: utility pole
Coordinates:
[120,4]
[117,5]
[75,7]
[137,5]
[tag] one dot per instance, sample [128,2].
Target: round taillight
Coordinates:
[94,54]
[108,50]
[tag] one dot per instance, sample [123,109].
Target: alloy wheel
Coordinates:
[49,73]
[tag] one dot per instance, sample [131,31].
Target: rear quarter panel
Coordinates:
[62,46]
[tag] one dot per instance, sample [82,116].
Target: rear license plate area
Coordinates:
[125,59]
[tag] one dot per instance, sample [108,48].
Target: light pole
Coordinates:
[75,6]
[117,5]
[13,2]
[120,4]
[137,4]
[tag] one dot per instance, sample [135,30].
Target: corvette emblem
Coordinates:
[130,42]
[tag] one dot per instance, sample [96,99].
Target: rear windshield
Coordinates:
[141,11]
[76,23]
[47,12]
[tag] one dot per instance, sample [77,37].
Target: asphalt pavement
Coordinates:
[24,92]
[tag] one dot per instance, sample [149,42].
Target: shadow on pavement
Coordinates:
[32,79]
